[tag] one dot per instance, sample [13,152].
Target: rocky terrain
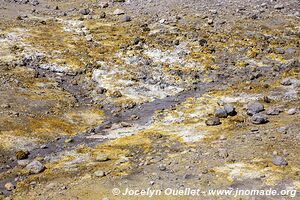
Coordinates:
[138,94]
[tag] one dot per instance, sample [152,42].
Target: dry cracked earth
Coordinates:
[138,94]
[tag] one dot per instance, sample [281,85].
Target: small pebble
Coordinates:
[292,111]
[35,167]
[282,130]
[103,4]
[286,82]
[279,6]
[214,121]
[162,167]
[23,163]
[99,173]
[21,155]
[273,111]
[259,119]
[102,157]
[85,11]
[126,19]
[9,186]
[69,140]
[221,113]
[279,161]
[118,12]
[254,107]
[230,109]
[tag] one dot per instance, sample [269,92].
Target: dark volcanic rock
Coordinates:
[85,11]
[230,110]
[254,107]
[126,19]
[221,113]
[279,161]
[214,121]
[259,119]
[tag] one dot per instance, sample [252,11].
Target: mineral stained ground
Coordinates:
[139,94]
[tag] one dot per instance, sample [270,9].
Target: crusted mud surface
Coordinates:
[138,94]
